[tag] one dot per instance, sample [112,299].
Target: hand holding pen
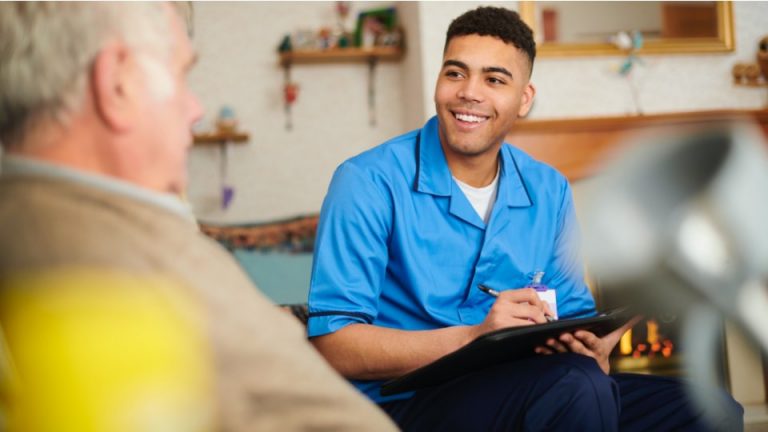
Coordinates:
[548,314]
[516,307]
[542,291]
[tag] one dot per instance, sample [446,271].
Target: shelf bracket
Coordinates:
[372,61]
[227,191]
[286,101]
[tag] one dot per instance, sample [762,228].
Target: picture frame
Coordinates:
[376,25]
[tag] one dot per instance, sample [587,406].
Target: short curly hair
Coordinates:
[498,22]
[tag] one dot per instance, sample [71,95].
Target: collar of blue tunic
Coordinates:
[434,176]
[21,166]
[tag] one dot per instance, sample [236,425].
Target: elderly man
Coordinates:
[95,118]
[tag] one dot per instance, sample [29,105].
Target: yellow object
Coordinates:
[101,351]
[625,343]
[653,332]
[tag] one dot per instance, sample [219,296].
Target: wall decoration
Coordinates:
[377,27]
[753,74]
[630,45]
[290,94]
[224,134]
[377,38]
[226,122]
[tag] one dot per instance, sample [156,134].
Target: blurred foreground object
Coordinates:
[101,351]
[678,225]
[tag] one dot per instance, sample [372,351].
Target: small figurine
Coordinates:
[344,41]
[227,195]
[226,121]
[752,73]
[738,72]
[324,38]
[285,44]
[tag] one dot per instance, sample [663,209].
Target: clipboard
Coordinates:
[501,346]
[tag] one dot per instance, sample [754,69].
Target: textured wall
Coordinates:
[280,173]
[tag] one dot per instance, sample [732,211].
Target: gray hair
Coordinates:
[47,48]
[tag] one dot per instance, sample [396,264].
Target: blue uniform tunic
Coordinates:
[400,246]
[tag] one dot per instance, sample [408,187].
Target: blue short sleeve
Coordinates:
[351,251]
[567,272]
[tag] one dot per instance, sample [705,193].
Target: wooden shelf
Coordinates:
[384,53]
[220,137]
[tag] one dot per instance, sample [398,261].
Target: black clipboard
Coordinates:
[500,346]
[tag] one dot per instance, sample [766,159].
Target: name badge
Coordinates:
[549,296]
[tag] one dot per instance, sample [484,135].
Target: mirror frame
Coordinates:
[724,41]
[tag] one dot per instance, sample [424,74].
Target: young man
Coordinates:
[95,119]
[411,228]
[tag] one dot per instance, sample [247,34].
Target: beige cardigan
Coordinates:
[268,376]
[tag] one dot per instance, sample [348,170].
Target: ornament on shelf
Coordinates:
[226,122]
[285,44]
[290,94]
[227,195]
[738,72]
[753,74]
[325,38]
[631,45]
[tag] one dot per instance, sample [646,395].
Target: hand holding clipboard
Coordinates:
[500,346]
[587,343]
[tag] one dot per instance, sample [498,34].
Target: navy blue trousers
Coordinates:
[565,392]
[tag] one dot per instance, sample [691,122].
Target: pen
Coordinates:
[490,291]
[493,293]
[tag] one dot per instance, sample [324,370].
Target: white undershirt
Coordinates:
[482,198]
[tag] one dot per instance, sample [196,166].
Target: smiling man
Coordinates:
[410,229]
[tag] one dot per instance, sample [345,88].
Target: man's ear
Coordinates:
[526,101]
[113,84]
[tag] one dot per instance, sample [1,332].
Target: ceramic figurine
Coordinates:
[285,44]
[752,73]
[226,122]
[738,72]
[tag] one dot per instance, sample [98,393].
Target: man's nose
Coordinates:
[471,90]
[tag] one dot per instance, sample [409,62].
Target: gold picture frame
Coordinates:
[724,42]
